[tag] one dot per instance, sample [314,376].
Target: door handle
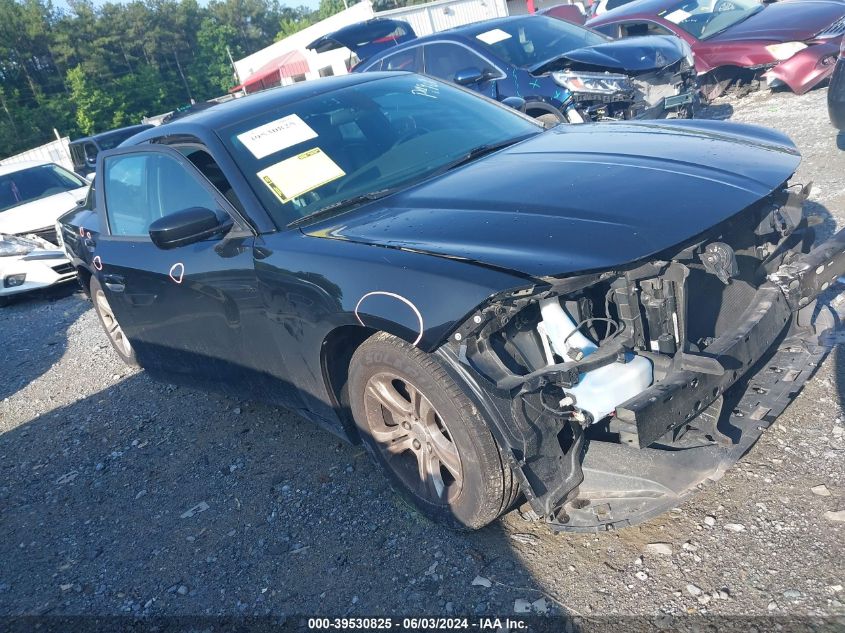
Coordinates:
[115,283]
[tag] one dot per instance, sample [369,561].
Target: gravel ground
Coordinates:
[120,495]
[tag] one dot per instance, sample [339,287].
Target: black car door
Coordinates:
[181,308]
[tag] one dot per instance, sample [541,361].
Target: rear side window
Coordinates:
[404,60]
[142,187]
[611,30]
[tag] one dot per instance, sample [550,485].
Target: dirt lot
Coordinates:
[102,468]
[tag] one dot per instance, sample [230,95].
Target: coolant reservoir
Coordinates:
[601,390]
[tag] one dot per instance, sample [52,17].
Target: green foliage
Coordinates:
[90,68]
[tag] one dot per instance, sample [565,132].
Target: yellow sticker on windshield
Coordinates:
[300,174]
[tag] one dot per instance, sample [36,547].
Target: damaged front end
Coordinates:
[628,80]
[616,394]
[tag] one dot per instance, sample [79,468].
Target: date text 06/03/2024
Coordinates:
[417,624]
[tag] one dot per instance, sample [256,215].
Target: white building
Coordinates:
[288,61]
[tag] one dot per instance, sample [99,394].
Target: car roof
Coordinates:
[252,105]
[473,29]
[465,33]
[469,31]
[636,8]
[139,128]
[13,167]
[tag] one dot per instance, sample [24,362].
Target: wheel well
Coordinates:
[84,276]
[335,356]
[535,110]
[719,80]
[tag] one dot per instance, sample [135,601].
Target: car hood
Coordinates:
[788,21]
[634,55]
[41,213]
[579,198]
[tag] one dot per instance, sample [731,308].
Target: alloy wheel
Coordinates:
[413,438]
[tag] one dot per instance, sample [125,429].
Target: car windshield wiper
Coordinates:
[482,150]
[343,205]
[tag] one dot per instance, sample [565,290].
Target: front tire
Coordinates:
[109,322]
[432,443]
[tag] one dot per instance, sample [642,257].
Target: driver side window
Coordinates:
[444,60]
[142,187]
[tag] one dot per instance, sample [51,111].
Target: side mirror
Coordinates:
[517,103]
[185,227]
[469,76]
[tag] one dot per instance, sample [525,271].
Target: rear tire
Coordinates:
[429,439]
[109,322]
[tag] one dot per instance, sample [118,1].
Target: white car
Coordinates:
[30,263]
[33,195]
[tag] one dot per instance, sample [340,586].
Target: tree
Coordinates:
[88,68]
[212,69]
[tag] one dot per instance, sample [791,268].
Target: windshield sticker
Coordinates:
[491,37]
[300,174]
[676,17]
[277,135]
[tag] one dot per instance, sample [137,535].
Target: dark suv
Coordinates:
[84,150]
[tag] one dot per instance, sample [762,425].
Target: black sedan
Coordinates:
[593,319]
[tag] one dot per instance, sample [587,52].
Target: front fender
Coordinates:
[418,297]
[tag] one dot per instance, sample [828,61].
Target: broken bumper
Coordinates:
[674,104]
[734,392]
[805,70]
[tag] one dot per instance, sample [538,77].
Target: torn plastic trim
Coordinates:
[547,474]
[812,274]
[693,386]
[540,431]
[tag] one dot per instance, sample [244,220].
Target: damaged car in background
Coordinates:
[30,263]
[561,71]
[426,271]
[742,43]
[33,194]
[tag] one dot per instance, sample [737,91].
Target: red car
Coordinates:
[793,43]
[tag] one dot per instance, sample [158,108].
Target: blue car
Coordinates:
[561,71]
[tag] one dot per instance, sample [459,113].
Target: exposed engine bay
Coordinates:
[646,358]
[609,93]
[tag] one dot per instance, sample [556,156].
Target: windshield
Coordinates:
[364,139]
[706,18]
[30,184]
[529,41]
